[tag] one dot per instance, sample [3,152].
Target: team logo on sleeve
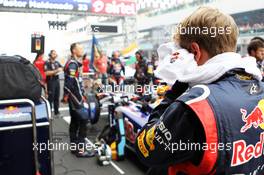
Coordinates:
[141,144]
[150,136]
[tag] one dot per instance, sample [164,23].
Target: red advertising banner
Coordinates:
[114,7]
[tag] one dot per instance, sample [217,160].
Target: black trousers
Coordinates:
[78,128]
[54,94]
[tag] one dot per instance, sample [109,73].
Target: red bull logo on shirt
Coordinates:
[243,152]
[255,118]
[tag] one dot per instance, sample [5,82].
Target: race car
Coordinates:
[127,114]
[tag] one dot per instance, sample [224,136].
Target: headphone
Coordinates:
[141,53]
[50,53]
[114,53]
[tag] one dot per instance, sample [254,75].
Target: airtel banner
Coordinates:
[116,7]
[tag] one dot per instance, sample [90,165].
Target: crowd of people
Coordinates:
[110,70]
[255,28]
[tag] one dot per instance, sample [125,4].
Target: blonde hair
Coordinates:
[213,30]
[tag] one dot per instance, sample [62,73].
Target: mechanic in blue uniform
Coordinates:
[73,94]
[217,125]
[52,68]
[115,69]
[141,75]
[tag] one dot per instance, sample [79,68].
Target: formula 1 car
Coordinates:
[127,114]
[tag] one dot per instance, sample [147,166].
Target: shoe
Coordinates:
[57,115]
[85,154]
[74,152]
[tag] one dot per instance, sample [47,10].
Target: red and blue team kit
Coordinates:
[231,111]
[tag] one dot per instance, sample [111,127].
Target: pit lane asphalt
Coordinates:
[67,164]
